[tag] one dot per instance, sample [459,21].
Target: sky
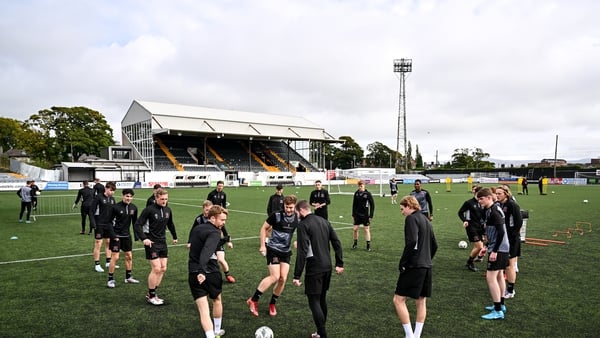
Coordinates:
[505,76]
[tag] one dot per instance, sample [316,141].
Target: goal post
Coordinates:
[55,205]
[348,187]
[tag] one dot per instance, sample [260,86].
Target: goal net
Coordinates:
[376,179]
[349,187]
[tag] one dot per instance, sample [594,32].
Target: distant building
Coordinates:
[17,154]
[549,163]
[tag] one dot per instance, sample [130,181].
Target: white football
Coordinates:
[264,332]
[462,244]
[38,193]
[585,201]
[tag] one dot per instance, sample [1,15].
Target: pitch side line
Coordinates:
[176,245]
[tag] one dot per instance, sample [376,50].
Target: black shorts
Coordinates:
[157,250]
[124,243]
[100,231]
[515,246]
[394,192]
[317,284]
[277,257]
[322,212]
[211,287]
[414,283]
[500,263]
[475,233]
[364,220]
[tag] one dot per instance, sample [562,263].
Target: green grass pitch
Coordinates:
[49,289]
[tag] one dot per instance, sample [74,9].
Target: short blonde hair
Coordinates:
[410,202]
[160,192]
[216,210]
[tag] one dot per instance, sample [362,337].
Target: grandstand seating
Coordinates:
[12,178]
[226,154]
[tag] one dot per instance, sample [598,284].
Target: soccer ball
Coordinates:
[37,193]
[585,201]
[264,332]
[462,244]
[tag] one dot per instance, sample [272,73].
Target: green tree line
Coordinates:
[58,134]
[62,134]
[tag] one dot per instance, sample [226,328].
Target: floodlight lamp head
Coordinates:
[402,65]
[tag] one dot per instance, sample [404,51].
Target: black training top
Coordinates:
[275,204]
[125,216]
[217,198]
[472,212]
[419,242]
[363,204]
[204,240]
[314,235]
[102,207]
[320,196]
[86,196]
[158,220]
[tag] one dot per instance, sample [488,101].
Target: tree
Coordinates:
[409,155]
[12,134]
[380,155]
[466,158]
[349,153]
[330,151]
[418,158]
[63,134]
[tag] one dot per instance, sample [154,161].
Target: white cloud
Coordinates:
[504,76]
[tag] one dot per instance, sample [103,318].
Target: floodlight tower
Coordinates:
[402,66]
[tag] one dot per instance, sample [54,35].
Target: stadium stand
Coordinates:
[185,153]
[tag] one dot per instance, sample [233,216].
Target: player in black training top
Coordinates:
[98,187]
[102,208]
[225,239]
[275,201]
[151,228]
[151,199]
[218,196]
[363,208]
[471,214]
[125,214]
[319,199]
[204,278]
[86,196]
[315,235]
[35,191]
